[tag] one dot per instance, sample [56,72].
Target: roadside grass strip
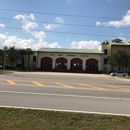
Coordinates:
[5,72]
[93,87]
[118,88]
[10,82]
[39,84]
[29,119]
[64,85]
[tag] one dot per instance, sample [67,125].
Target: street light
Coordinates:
[5,48]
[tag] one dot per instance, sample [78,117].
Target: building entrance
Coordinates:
[46,64]
[61,64]
[76,65]
[91,66]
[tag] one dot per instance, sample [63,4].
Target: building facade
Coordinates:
[69,60]
[111,47]
[76,60]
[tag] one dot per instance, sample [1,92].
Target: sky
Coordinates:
[63,23]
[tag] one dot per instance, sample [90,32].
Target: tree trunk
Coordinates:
[2,61]
[119,67]
[124,67]
[28,61]
[12,65]
[22,61]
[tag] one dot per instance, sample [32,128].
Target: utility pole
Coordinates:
[5,48]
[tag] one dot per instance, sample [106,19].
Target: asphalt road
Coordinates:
[88,93]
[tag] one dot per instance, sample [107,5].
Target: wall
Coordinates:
[116,48]
[84,57]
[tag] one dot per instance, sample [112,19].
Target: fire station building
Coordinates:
[69,60]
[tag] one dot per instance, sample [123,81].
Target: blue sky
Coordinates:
[63,23]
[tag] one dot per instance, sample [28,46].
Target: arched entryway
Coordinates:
[91,66]
[46,64]
[76,65]
[61,64]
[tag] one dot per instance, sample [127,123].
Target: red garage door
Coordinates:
[61,64]
[46,64]
[92,66]
[76,65]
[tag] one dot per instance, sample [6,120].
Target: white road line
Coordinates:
[60,110]
[63,95]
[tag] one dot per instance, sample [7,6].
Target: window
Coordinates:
[105,60]
[34,58]
[105,51]
[19,65]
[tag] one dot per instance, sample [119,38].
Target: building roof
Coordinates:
[118,42]
[66,50]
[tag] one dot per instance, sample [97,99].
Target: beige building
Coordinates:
[109,48]
[69,60]
[76,60]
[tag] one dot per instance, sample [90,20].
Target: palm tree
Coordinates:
[22,53]
[13,55]
[29,53]
[1,57]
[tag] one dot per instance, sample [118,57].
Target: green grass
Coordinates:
[21,119]
[127,77]
[5,71]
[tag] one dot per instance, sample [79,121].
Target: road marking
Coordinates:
[64,85]
[62,110]
[39,84]
[94,87]
[10,82]
[63,95]
[119,88]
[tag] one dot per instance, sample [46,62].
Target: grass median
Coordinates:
[5,72]
[25,119]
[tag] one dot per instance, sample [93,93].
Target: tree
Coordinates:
[125,61]
[29,53]
[13,55]
[1,57]
[22,53]
[120,59]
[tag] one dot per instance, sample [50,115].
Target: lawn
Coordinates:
[5,71]
[24,119]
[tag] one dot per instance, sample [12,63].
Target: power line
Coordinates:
[65,23]
[60,14]
[45,4]
[67,32]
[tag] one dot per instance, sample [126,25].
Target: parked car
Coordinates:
[118,73]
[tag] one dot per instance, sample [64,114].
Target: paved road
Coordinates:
[66,92]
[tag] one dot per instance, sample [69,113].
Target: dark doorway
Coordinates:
[46,64]
[91,66]
[61,64]
[76,65]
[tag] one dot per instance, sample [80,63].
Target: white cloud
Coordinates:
[121,23]
[85,44]
[2,25]
[25,43]
[59,21]
[39,35]
[27,21]
[50,26]
[98,23]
